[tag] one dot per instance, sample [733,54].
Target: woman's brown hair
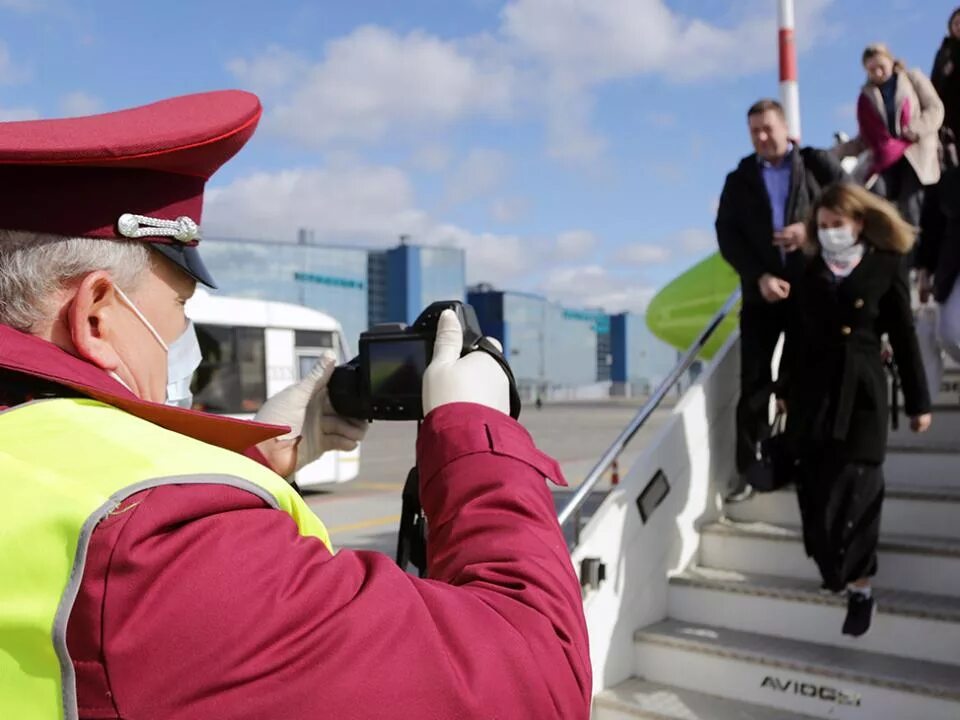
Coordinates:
[875,49]
[882,225]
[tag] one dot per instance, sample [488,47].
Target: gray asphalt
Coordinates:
[364,513]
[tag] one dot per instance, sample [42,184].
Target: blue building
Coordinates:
[324,277]
[547,345]
[406,279]
[358,286]
[640,360]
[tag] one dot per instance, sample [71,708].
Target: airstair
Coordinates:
[700,611]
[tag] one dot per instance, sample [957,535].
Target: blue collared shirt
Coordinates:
[777,180]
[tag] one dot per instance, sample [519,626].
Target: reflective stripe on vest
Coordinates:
[64,465]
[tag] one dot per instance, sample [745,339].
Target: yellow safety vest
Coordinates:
[64,465]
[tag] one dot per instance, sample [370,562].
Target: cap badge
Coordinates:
[183,229]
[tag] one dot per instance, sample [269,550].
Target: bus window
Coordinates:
[313,339]
[231,378]
[305,363]
[309,346]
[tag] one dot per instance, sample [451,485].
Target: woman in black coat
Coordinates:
[853,289]
[945,75]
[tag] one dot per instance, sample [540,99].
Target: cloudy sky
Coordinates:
[574,148]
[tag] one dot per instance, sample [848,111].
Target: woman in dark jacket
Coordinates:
[946,73]
[836,386]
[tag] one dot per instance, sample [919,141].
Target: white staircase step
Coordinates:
[924,627]
[906,562]
[940,469]
[800,677]
[927,511]
[943,435]
[637,698]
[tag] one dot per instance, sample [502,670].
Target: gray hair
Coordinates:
[35,266]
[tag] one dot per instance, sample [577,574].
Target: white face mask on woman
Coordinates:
[840,249]
[183,357]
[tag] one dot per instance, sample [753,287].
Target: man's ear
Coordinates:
[92,316]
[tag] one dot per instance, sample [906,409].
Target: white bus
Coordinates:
[252,349]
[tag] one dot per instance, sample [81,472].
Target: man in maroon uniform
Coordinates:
[203,600]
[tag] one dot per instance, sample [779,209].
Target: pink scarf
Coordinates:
[887,150]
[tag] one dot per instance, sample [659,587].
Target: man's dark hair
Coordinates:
[761,106]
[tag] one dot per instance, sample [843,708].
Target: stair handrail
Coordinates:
[575,503]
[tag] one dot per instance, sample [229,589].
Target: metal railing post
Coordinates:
[573,507]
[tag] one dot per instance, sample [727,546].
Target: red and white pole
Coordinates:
[789,90]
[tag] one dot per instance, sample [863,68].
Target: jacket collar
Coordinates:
[38,358]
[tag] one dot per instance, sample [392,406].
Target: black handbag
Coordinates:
[773,468]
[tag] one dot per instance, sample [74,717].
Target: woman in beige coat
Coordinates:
[899,114]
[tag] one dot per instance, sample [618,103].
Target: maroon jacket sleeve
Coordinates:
[201,602]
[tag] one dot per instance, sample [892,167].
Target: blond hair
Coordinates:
[882,225]
[881,50]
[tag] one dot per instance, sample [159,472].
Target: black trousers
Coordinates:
[900,185]
[760,326]
[840,504]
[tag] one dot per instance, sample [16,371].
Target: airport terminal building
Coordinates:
[555,351]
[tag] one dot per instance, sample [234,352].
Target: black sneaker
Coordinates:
[860,610]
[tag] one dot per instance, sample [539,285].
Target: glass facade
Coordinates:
[571,357]
[326,278]
[546,344]
[525,339]
[443,274]
[640,359]
[377,287]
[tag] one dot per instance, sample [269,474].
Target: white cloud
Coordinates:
[509,209]
[641,254]
[581,44]
[342,204]
[79,103]
[695,240]
[273,70]
[479,174]
[355,204]
[18,113]
[590,41]
[10,72]
[575,244]
[548,56]
[432,158]
[374,82]
[501,260]
[596,286]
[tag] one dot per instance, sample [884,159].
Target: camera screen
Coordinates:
[396,367]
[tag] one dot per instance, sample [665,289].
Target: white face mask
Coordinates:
[183,357]
[840,249]
[835,240]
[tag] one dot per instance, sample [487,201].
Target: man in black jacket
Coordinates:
[760,228]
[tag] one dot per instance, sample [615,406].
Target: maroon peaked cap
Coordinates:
[78,177]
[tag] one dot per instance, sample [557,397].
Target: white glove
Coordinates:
[306,408]
[475,378]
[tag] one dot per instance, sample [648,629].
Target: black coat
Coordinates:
[835,383]
[948,85]
[939,248]
[745,221]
